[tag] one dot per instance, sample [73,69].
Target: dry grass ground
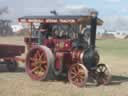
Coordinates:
[113,52]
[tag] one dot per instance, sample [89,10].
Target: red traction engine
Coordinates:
[63,47]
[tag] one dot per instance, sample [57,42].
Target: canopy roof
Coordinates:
[58,19]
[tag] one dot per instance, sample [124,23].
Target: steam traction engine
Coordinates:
[64,47]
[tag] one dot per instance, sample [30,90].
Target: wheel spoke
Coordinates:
[74,69]
[42,69]
[78,68]
[105,69]
[73,77]
[41,56]
[33,59]
[34,69]
[101,68]
[37,54]
[81,71]
[73,73]
[43,62]
[98,70]
[33,64]
[80,80]
[76,80]
[82,75]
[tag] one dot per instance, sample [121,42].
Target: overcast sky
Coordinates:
[109,10]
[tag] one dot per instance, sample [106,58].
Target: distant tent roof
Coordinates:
[58,19]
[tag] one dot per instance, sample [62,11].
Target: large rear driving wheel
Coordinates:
[78,75]
[38,63]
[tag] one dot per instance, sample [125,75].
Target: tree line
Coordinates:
[5,25]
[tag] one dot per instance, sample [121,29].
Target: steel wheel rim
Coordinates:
[37,64]
[78,75]
[103,74]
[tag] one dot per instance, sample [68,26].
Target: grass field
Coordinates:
[112,52]
[115,47]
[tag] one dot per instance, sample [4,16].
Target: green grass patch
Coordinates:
[115,47]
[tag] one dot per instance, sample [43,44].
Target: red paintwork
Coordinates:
[49,43]
[76,55]
[67,59]
[53,21]
[62,48]
[59,60]
[59,44]
[11,50]
[63,58]
[61,54]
